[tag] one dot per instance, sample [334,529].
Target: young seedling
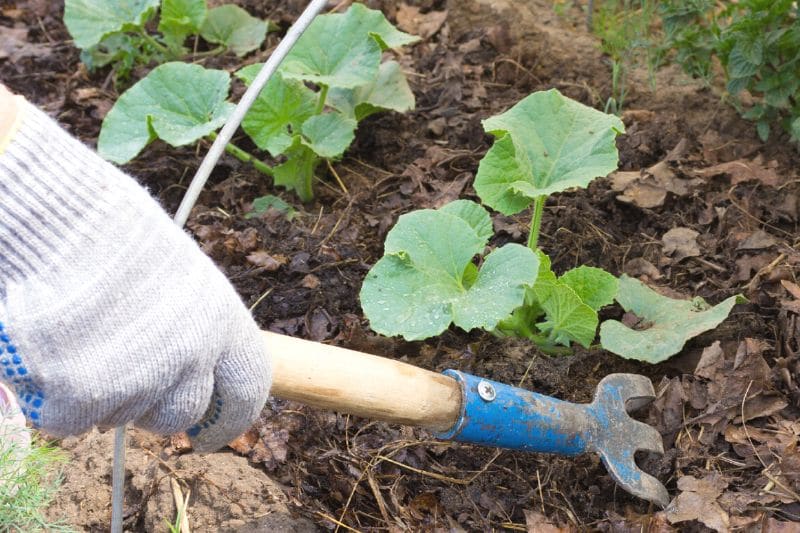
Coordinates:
[545,144]
[115,31]
[340,54]
[426,280]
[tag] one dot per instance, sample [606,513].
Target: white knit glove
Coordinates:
[109,312]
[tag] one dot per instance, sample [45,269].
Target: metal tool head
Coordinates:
[617,437]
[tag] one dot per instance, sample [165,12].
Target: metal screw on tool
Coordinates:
[486,391]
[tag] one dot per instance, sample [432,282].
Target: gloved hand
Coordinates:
[109,312]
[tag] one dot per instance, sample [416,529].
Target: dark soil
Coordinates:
[723,470]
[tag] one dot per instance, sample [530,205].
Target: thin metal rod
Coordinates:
[189,199]
[226,134]
[118,480]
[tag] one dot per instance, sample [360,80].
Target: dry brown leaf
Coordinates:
[776,526]
[681,243]
[792,288]
[409,19]
[712,359]
[649,188]
[266,260]
[536,522]
[640,267]
[245,442]
[742,170]
[698,501]
[748,265]
[15,46]
[758,240]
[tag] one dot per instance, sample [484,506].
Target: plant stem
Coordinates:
[208,53]
[536,221]
[244,156]
[155,44]
[323,95]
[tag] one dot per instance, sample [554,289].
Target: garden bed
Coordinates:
[727,406]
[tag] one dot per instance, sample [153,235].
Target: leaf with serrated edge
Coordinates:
[557,144]
[672,322]
[568,318]
[502,172]
[473,214]
[177,102]
[89,21]
[389,90]
[595,287]
[329,134]
[235,28]
[278,112]
[180,18]
[418,288]
[297,172]
[336,50]
[381,29]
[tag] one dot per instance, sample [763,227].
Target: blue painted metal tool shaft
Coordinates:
[499,415]
[518,419]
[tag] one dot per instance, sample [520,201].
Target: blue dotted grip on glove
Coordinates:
[14,371]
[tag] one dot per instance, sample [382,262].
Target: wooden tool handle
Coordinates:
[366,385]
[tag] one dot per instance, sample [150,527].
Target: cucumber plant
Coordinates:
[427,279]
[307,113]
[115,31]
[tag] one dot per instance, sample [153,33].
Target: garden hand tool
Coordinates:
[465,408]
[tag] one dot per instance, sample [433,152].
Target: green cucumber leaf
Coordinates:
[117,48]
[389,91]
[278,112]
[502,179]
[378,27]
[177,102]
[235,28]
[329,134]
[424,281]
[473,214]
[297,173]
[89,21]
[670,322]
[568,318]
[180,18]
[545,144]
[336,50]
[595,287]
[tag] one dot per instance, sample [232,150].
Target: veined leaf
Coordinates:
[89,21]
[338,50]
[329,134]
[389,90]
[595,287]
[177,102]
[232,26]
[546,143]
[297,173]
[473,214]
[180,18]
[381,29]
[424,283]
[568,318]
[278,112]
[669,323]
